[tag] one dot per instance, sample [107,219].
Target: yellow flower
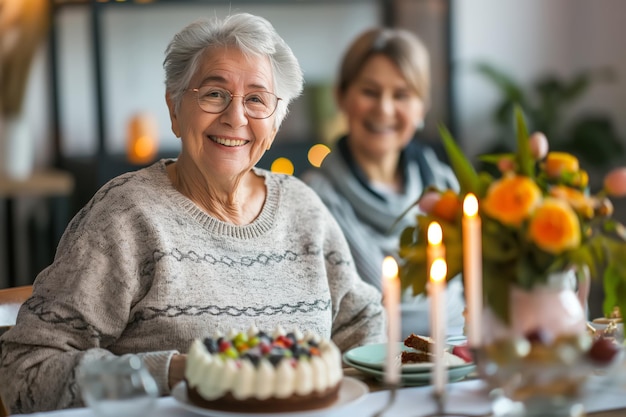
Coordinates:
[580,179]
[558,163]
[512,199]
[554,226]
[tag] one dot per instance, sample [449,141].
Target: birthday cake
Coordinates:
[261,372]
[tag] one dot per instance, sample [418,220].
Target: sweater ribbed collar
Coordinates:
[258,227]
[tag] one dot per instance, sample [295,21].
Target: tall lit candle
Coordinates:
[391,298]
[472,268]
[437,288]
[435,248]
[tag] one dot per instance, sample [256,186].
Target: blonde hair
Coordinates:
[402,47]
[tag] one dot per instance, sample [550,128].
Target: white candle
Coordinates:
[435,248]
[391,298]
[437,288]
[472,268]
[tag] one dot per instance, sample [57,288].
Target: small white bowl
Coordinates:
[601,323]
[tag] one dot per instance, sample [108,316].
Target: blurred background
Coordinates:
[92,102]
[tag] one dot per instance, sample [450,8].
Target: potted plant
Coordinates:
[590,137]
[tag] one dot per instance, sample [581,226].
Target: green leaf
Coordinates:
[584,256]
[525,160]
[413,275]
[614,288]
[494,158]
[414,254]
[496,293]
[465,172]
[407,237]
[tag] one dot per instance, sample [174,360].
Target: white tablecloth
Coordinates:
[468,396]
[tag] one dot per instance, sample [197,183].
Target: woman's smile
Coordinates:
[380,128]
[231,143]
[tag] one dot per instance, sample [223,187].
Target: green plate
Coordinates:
[373,357]
[415,378]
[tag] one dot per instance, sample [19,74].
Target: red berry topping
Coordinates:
[224,345]
[265,348]
[285,341]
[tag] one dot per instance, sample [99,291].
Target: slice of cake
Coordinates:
[258,372]
[415,357]
[421,343]
[422,346]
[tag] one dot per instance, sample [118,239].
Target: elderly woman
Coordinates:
[379,168]
[201,244]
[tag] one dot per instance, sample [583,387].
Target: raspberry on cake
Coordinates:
[255,371]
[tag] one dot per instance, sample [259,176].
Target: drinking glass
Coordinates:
[118,386]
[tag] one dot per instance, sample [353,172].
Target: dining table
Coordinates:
[469,397]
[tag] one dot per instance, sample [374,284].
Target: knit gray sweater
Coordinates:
[141,269]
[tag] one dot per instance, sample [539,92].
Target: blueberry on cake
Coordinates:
[256,371]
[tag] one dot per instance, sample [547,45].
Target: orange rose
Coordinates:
[585,206]
[512,199]
[554,226]
[448,207]
[558,163]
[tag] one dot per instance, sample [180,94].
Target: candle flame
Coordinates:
[470,205]
[390,268]
[438,270]
[435,234]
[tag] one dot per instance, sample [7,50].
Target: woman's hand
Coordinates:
[177,370]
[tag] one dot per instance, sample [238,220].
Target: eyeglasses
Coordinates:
[257,104]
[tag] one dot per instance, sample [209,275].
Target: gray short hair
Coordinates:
[251,34]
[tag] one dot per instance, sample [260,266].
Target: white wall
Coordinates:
[530,38]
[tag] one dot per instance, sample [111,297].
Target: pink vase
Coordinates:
[554,309]
[535,360]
